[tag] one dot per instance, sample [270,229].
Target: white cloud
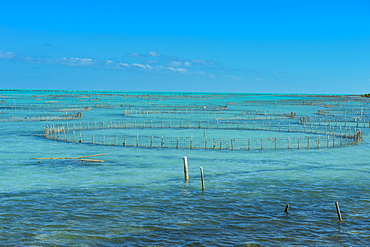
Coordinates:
[211,75]
[153,61]
[200,73]
[75,61]
[135,54]
[7,55]
[182,70]
[159,63]
[187,64]
[124,65]
[142,66]
[203,62]
[237,78]
[175,64]
[167,68]
[154,54]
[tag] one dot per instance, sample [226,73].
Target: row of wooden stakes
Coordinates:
[286,210]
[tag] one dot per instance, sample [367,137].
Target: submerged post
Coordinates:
[338,211]
[286,210]
[186,169]
[202,178]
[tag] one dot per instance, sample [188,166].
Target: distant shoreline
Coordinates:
[165,92]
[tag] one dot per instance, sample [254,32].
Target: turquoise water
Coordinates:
[138,197]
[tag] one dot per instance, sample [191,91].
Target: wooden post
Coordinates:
[202,178]
[275,142]
[186,169]
[286,210]
[308,141]
[333,140]
[327,143]
[338,211]
[318,142]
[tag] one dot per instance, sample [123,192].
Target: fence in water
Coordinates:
[340,101]
[343,121]
[44,107]
[41,118]
[177,108]
[259,115]
[359,111]
[326,136]
[87,104]
[287,103]
[209,115]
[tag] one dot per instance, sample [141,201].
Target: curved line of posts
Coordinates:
[209,115]
[327,136]
[343,121]
[45,107]
[41,118]
[335,111]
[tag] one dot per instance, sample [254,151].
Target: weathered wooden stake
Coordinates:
[286,210]
[186,169]
[338,211]
[202,178]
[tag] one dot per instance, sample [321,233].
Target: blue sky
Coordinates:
[246,46]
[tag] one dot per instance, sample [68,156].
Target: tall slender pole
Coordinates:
[286,210]
[338,211]
[202,178]
[186,169]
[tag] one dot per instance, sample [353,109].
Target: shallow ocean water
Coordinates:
[138,197]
